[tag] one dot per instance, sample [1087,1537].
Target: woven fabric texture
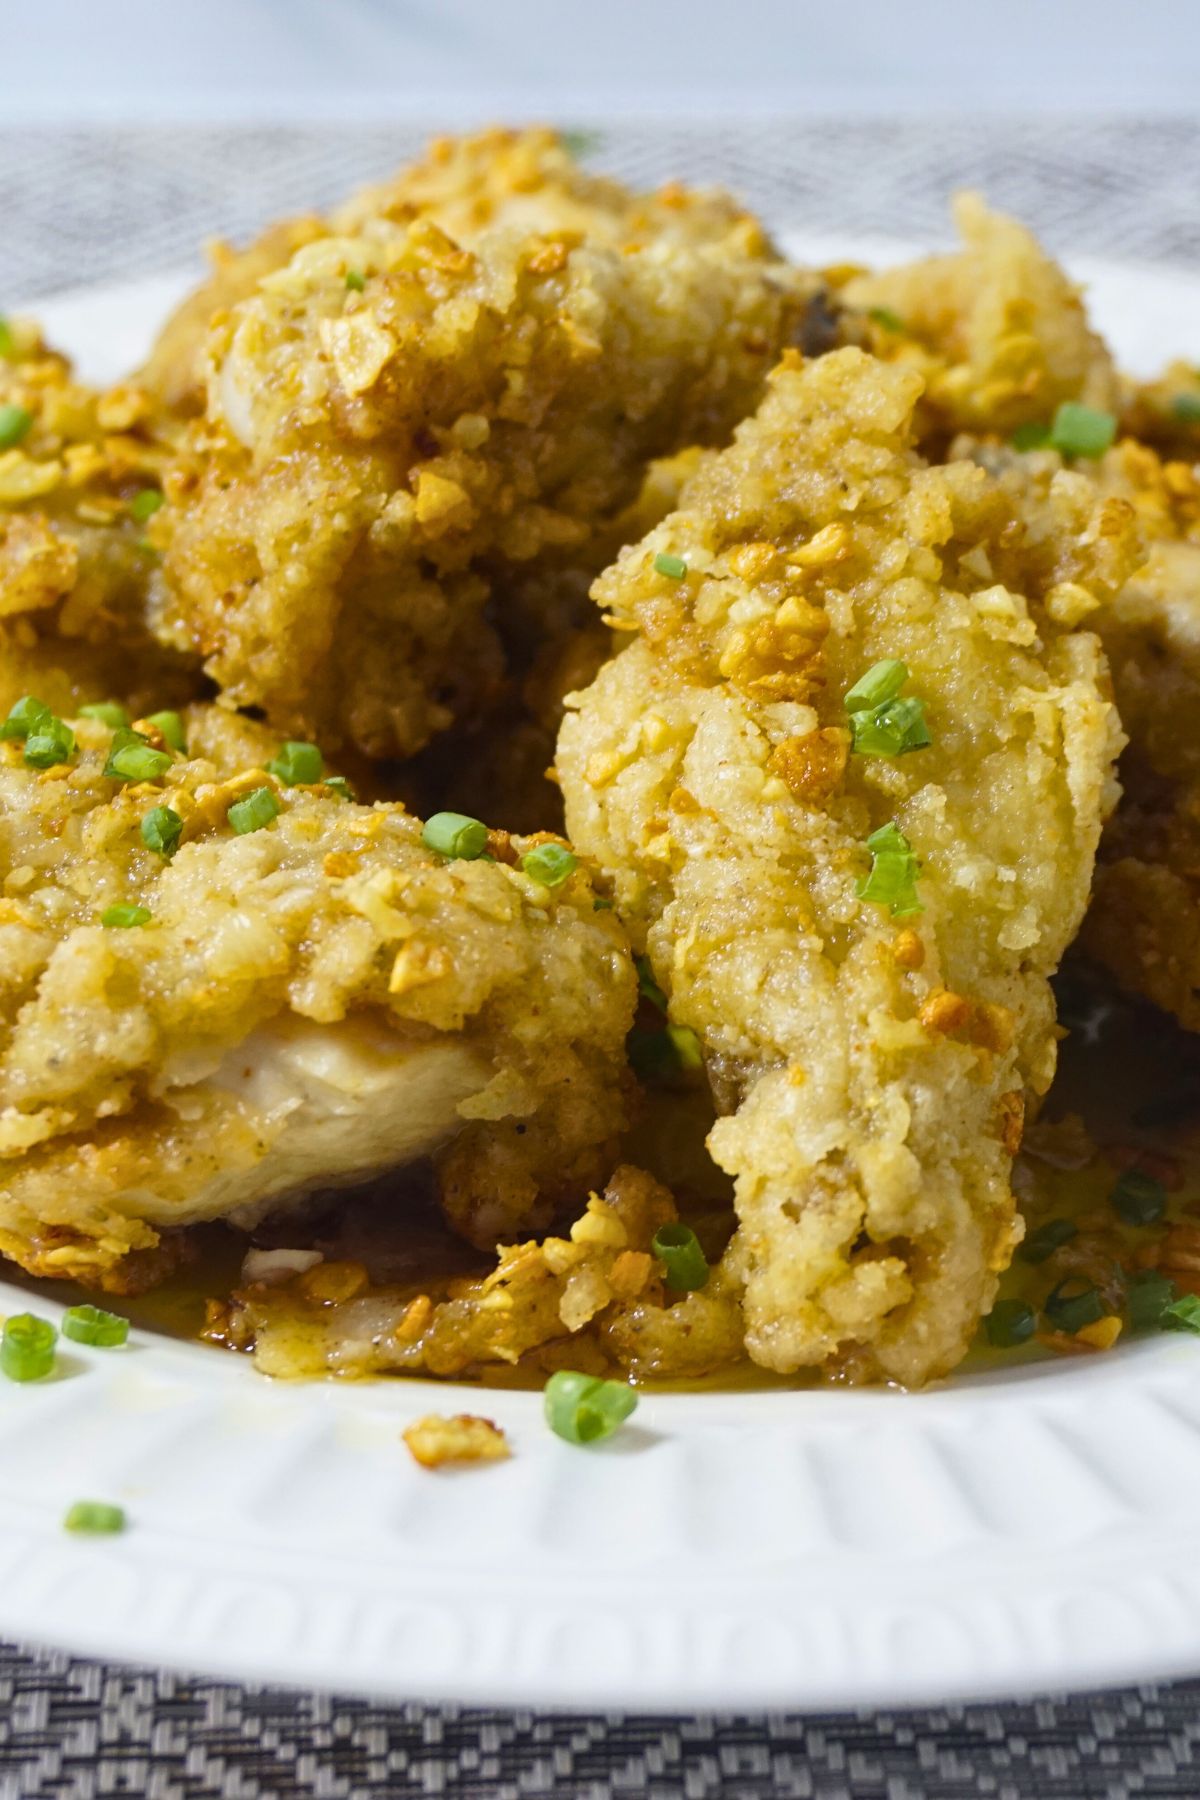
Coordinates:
[84,206]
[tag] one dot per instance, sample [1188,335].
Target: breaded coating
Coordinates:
[74,561]
[525,180]
[378,463]
[306,996]
[996,329]
[592,1300]
[872,1071]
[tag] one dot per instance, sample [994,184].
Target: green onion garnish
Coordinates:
[8,344]
[1186,407]
[1082,430]
[24,717]
[107,712]
[891,730]
[255,811]
[1075,431]
[673,567]
[678,1248]
[883,315]
[143,506]
[1072,1304]
[92,1325]
[647,986]
[94,1517]
[549,864]
[169,727]
[123,917]
[297,764]
[1031,436]
[162,830]
[454,834]
[892,881]
[14,423]
[338,784]
[1182,1314]
[131,758]
[602,905]
[27,1347]
[354,279]
[1139,1199]
[50,741]
[881,683]
[1147,1298]
[1046,1240]
[686,1045]
[583,1409]
[580,143]
[1010,1322]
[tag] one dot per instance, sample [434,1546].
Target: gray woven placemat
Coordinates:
[85,206]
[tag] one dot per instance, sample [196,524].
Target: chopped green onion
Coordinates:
[27,1347]
[24,717]
[549,864]
[1182,1314]
[298,764]
[583,1409]
[1072,1304]
[891,730]
[686,1046]
[1047,1239]
[107,712]
[92,1325]
[580,143]
[881,683]
[162,830]
[95,1517]
[131,758]
[8,344]
[1147,1298]
[123,917]
[1031,436]
[50,741]
[143,506]
[169,727]
[1139,1199]
[354,280]
[1010,1322]
[255,811]
[1186,407]
[647,985]
[602,905]
[454,834]
[892,881]
[673,567]
[338,784]
[14,423]
[1082,430]
[678,1248]
[883,315]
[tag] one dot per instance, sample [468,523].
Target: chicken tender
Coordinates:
[78,479]
[996,329]
[376,463]
[224,986]
[861,942]
[524,180]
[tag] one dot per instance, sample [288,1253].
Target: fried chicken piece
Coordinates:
[74,561]
[591,1300]
[377,463]
[997,329]
[309,999]
[871,1071]
[524,180]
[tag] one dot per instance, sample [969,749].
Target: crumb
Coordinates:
[435,1440]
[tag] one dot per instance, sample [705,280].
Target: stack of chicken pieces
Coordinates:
[829,651]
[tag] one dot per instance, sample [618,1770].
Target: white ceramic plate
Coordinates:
[1005,1533]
